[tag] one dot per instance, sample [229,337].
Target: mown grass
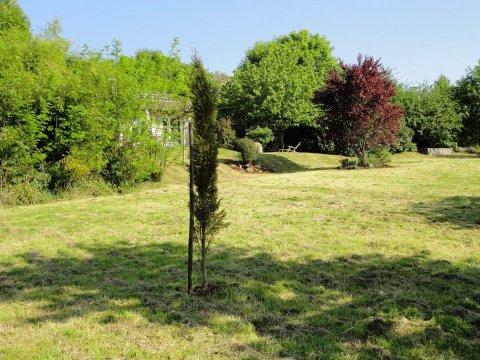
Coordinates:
[317,262]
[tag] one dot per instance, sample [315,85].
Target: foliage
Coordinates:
[378,157]
[247,148]
[467,93]
[69,116]
[225,133]
[209,218]
[89,187]
[432,113]
[468,150]
[263,135]
[219,79]
[348,164]
[359,114]
[12,18]
[313,139]
[24,194]
[274,84]
[404,141]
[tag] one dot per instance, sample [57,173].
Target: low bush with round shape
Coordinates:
[247,149]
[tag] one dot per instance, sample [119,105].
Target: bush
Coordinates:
[90,187]
[348,164]
[404,140]
[247,149]
[225,134]
[120,169]
[23,194]
[473,149]
[468,150]
[376,158]
[263,135]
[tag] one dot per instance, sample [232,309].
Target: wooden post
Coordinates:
[192,214]
[184,139]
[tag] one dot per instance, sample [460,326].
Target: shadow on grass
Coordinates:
[281,164]
[375,306]
[460,211]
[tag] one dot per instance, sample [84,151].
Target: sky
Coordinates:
[417,39]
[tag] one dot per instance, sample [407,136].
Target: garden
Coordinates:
[151,208]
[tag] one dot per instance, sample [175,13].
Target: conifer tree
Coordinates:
[209,218]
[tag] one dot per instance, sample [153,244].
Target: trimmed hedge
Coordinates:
[247,149]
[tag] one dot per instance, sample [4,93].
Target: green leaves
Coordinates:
[209,218]
[432,112]
[467,92]
[80,114]
[274,85]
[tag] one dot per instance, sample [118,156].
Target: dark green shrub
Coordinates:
[120,169]
[60,178]
[348,164]
[404,140]
[225,134]
[263,135]
[378,157]
[247,149]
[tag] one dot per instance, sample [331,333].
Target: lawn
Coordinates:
[317,262]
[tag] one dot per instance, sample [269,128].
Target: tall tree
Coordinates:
[12,18]
[274,84]
[432,113]
[209,218]
[358,109]
[468,94]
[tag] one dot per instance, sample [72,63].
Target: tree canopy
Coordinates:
[432,113]
[67,116]
[467,93]
[359,113]
[274,84]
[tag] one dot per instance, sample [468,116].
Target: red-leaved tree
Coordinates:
[357,104]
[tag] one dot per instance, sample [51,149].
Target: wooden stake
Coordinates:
[192,214]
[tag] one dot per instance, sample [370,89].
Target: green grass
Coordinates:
[317,262]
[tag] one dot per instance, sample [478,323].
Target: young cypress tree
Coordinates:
[209,218]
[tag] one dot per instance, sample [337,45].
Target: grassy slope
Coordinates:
[324,263]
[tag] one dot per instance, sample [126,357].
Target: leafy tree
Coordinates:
[261,135]
[66,117]
[13,19]
[404,140]
[219,78]
[467,93]
[21,121]
[209,219]
[432,113]
[274,84]
[359,113]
